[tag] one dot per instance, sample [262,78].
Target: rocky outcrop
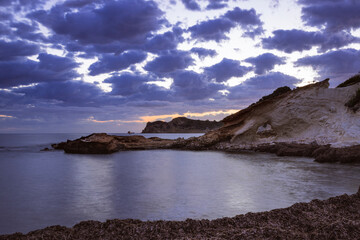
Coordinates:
[335,218]
[101,143]
[321,153]
[304,115]
[182,125]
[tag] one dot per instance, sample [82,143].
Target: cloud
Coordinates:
[111,62]
[216,29]
[265,62]
[334,15]
[190,85]
[344,62]
[226,69]
[79,3]
[216,4]
[15,49]
[298,40]
[256,87]
[135,87]
[73,93]
[203,52]
[169,62]
[127,20]
[19,4]
[27,31]
[166,41]
[49,68]
[191,5]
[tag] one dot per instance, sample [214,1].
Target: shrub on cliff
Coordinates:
[354,102]
[277,92]
[351,81]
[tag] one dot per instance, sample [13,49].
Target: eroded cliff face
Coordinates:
[314,113]
[181,125]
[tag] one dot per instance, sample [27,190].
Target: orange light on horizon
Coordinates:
[145,119]
[6,116]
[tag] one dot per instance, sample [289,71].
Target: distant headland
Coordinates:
[182,125]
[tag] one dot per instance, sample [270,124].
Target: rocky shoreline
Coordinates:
[101,143]
[334,218]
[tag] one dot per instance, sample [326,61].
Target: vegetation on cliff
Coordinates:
[354,102]
[351,81]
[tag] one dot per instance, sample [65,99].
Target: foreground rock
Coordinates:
[335,218]
[101,143]
[320,153]
[182,125]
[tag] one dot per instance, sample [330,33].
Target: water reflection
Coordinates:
[93,185]
[41,189]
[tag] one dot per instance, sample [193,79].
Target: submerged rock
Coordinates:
[335,218]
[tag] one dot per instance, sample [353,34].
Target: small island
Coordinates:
[182,125]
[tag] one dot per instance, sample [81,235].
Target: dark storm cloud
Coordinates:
[203,52]
[191,5]
[298,40]
[153,43]
[79,3]
[16,49]
[226,69]
[166,41]
[26,31]
[110,62]
[169,62]
[189,85]
[4,30]
[18,4]
[334,15]
[244,17]
[265,62]
[216,4]
[341,62]
[259,86]
[5,16]
[49,68]
[135,87]
[74,93]
[216,29]
[5,2]
[127,20]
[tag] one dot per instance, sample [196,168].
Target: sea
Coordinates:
[44,188]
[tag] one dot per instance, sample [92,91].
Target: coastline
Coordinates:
[334,218]
[101,143]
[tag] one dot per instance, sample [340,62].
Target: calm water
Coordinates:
[38,189]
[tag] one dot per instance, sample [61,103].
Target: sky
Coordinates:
[82,66]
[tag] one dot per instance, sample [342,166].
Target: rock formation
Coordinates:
[101,143]
[181,125]
[335,218]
